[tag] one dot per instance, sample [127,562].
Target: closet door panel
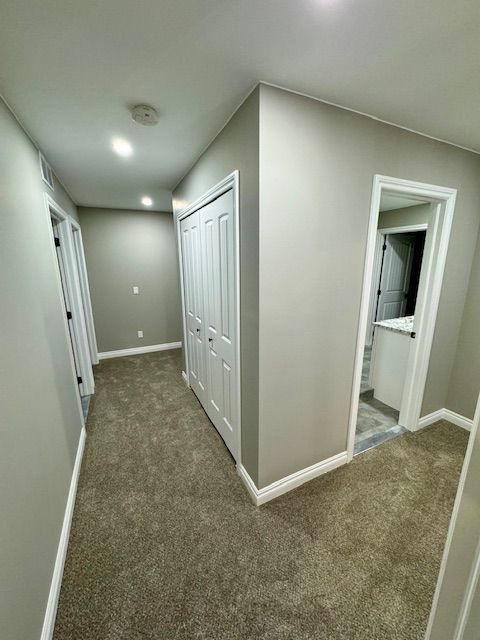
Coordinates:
[192,279]
[218,242]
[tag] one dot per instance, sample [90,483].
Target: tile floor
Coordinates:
[85,405]
[376,421]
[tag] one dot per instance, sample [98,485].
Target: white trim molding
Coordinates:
[448,544]
[446,414]
[185,379]
[469,596]
[134,351]
[52,603]
[278,488]
[85,289]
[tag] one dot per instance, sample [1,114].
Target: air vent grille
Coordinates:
[47,173]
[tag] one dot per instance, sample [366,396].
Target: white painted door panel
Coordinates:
[208,255]
[218,242]
[192,279]
[395,279]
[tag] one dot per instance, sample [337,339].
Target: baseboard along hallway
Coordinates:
[165,542]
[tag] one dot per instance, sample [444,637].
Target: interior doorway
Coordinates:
[406,251]
[71,296]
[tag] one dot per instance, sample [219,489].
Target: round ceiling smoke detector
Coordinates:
[143,114]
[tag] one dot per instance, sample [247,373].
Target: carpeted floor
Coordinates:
[166,545]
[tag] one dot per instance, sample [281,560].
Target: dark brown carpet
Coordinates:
[165,543]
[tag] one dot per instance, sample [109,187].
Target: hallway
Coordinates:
[166,544]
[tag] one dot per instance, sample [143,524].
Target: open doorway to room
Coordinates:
[408,240]
[70,261]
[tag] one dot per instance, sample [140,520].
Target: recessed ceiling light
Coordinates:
[122,147]
[147,201]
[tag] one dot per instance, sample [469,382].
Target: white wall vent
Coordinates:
[46,171]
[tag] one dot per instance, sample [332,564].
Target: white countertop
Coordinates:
[399,325]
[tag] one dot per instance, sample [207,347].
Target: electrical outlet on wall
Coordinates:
[136,290]
[140,334]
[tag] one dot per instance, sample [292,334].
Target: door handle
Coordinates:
[210,339]
[198,330]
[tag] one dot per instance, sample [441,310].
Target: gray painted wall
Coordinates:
[317,164]
[302,257]
[125,248]
[236,147]
[39,415]
[465,379]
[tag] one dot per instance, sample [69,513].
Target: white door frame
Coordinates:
[475,569]
[438,235]
[377,267]
[85,290]
[229,182]
[72,282]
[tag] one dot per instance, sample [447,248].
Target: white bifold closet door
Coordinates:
[208,250]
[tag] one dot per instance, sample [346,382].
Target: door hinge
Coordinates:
[384,248]
[57,242]
[79,379]
[379,293]
[413,334]
[69,315]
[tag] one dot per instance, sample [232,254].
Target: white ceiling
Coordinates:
[71,69]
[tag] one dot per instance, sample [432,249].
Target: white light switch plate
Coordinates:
[140,334]
[136,290]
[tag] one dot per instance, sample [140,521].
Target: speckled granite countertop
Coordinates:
[399,325]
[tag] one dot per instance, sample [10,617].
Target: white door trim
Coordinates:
[469,592]
[377,266]
[419,355]
[87,386]
[85,290]
[231,181]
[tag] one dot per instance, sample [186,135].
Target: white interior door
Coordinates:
[68,307]
[218,244]
[395,278]
[85,291]
[193,293]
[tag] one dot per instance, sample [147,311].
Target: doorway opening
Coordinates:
[406,251]
[70,260]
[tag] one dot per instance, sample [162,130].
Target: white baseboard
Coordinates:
[185,379]
[260,496]
[51,610]
[137,350]
[446,414]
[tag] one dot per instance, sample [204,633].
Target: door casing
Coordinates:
[53,210]
[229,182]
[85,289]
[433,267]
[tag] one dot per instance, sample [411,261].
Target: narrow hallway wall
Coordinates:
[39,410]
[125,248]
